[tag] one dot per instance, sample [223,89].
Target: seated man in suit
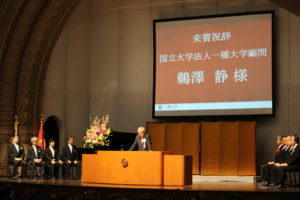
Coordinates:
[267,169]
[285,152]
[35,159]
[142,141]
[292,162]
[53,161]
[16,157]
[70,158]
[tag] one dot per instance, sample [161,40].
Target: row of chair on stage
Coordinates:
[286,161]
[39,162]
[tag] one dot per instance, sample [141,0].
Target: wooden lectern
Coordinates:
[124,167]
[178,170]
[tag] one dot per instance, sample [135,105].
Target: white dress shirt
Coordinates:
[52,151]
[71,147]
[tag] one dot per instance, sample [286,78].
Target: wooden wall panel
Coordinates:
[191,143]
[210,148]
[246,148]
[228,148]
[173,137]
[157,132]
[180,138]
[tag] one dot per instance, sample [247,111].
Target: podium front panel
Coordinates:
[89,168]
[131,167]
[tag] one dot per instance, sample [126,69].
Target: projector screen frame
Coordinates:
[211,117]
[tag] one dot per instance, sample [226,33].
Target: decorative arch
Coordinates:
[29,35]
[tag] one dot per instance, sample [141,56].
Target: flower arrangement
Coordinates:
[98,133]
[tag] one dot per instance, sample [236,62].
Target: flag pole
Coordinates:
[42,118]
[16,125]
[41,137]
[42,123]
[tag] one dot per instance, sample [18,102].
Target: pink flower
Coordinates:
[100,132]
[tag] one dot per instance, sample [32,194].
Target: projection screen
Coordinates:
[213,65]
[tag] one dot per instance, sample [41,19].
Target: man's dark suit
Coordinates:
[293,161]
[140,145]
[285,155]
[54,169]
[31,156]
[66,156]
[14,153]
[267,169]
[282,158]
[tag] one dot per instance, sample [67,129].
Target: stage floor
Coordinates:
[219,189]
[225,186]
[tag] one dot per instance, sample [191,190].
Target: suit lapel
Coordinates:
[294,149]
[33,152]
[54,153]
[38,152]
[140,143]
[16,150]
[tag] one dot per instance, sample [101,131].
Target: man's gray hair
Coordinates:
[141,129]
[34,139]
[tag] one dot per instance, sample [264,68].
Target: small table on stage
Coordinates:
[133,167]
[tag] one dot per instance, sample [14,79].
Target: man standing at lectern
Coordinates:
[142,141]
